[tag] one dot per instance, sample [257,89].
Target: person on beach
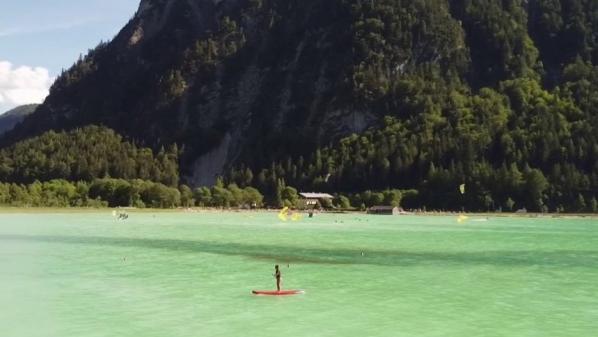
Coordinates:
[278,277]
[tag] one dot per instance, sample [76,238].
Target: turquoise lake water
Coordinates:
[191,274]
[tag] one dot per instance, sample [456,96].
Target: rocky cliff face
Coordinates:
[251,81]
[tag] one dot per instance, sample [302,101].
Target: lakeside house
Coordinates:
[314,200]
[385,210]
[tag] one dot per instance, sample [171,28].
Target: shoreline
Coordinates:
[208,210]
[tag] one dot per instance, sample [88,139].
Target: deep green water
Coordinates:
[170,275]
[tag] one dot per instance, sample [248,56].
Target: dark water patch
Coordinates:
[290,254]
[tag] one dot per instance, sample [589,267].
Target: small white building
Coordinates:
[385,210]
[312,200]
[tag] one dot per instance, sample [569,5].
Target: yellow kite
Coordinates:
[283,214]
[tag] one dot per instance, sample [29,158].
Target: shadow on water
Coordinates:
[560,258]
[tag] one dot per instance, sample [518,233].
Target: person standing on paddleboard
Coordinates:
[278,277]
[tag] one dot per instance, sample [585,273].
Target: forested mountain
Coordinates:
[12,117]
[349,95]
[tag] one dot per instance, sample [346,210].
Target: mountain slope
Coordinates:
[275,77]
[9,119]
[264,84]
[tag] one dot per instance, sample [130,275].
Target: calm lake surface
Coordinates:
[191,274]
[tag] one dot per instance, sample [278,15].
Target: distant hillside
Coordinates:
[346,95]
[9,119]
[85,154]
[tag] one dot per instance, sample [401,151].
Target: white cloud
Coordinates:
[23,85]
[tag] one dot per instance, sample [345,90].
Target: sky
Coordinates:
[39,38]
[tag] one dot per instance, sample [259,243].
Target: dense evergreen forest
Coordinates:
[85,154]
[519,127]
[380,102]
[109,192]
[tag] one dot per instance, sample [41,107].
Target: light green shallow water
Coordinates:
[191,275]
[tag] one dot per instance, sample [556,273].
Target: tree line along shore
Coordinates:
[137,193]
[96,167]
[141,194]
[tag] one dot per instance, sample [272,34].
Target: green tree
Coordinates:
[509,204]
[221,197]
[343,202]
[289,197]
[203,196]
[187,199]
[253,197]
[392,197]
[580,204]
[161,196]
[535,185]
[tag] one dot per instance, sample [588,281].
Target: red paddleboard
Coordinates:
[277,293]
